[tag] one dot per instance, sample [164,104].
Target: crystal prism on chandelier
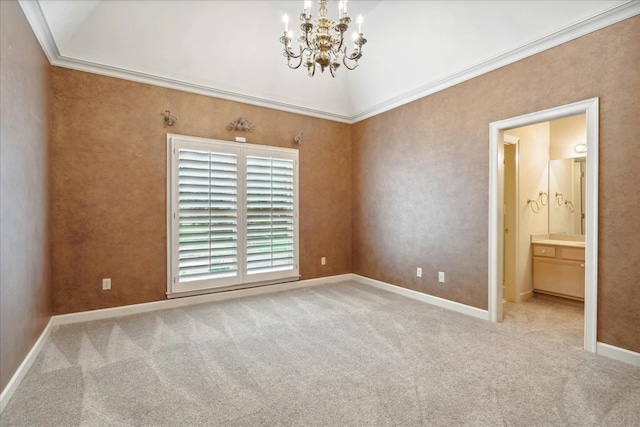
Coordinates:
[321,42]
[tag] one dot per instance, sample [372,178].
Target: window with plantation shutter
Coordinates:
[207,215]
[270,214]
[232,215]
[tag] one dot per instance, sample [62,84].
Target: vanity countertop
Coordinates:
[566,243]
[566,240]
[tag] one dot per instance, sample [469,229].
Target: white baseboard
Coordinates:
[22,370]
[618,353]
[525,296]
[108,313]
[430,299]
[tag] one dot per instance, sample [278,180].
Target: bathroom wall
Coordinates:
[25,269]
[109,184]
[565,134]
[533,161]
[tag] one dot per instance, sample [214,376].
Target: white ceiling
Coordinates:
[231,49]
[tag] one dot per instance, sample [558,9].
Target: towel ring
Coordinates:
[544,198]
[533,203]
[569,204]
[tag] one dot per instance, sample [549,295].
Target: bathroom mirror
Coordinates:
[567,195]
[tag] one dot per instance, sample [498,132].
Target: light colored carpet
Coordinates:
[340,354]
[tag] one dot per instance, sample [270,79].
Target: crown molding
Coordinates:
[604,19]
[35,17]
[38,23]
[169,83]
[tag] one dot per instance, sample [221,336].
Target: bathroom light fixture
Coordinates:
[322,40]
[580,148]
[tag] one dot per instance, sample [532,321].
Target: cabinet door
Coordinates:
[561,277]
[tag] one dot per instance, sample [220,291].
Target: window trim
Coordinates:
[174,288]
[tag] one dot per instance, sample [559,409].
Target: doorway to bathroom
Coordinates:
[538,219]
[543,269]
[543,209]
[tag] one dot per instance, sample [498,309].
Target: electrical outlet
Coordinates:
[419,272]
[441,276]
[106,284]
[323,261]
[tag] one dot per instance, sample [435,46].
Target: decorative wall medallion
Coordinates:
[242,124]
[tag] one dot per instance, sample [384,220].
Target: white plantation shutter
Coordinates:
[232,214]
[207,215]
[270,214]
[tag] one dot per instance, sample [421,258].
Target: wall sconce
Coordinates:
[298,138]
[169,118]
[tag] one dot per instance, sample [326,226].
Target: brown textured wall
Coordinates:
[25,269]
[421,173]
[109,184]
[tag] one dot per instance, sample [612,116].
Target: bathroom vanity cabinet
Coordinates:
[558,270]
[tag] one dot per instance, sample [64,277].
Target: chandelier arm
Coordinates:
[288,52]
[313,70]
[354,56]
[344,61]
[291,54]
[306,40]
[336,49]
[299,57]
[294,67]
[339,48]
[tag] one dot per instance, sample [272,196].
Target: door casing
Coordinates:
[590,107]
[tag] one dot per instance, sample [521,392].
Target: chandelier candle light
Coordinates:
[321,42]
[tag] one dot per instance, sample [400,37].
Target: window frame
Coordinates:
[242,279]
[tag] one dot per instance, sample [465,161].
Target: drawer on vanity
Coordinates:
[576,254]
[548,251]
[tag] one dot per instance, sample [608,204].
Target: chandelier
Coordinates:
[321,42]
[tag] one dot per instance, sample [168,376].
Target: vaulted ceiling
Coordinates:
[231,49]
